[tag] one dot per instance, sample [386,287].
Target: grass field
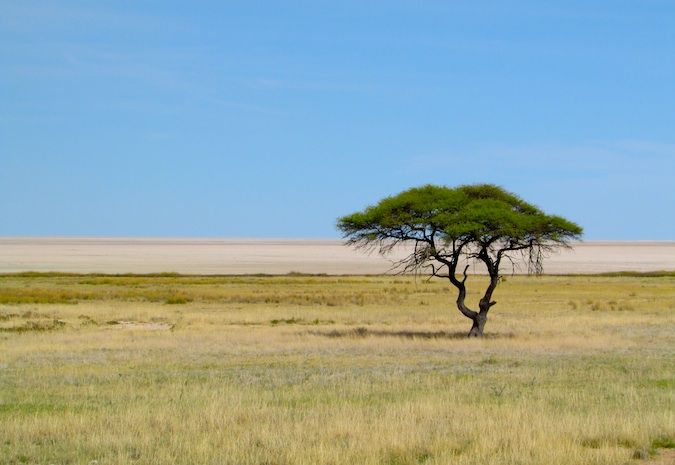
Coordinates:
[172,369]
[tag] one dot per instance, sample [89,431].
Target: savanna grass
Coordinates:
[333,370]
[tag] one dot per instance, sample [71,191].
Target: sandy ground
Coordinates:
[243,256]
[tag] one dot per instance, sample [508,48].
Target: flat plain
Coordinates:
[168,369]
[281,256]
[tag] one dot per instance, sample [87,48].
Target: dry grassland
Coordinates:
[334,370]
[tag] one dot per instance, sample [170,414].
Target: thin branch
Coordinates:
[464,273]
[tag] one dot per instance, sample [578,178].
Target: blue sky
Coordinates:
[270,119]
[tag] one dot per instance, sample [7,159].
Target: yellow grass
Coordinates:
[333,370]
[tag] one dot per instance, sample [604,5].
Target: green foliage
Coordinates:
[483,213]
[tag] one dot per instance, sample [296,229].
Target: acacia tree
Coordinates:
[451,226]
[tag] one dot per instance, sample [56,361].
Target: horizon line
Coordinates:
[255,238]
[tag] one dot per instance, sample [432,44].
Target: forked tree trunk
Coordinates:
[479,318]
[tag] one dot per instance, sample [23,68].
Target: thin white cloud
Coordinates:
[627,157]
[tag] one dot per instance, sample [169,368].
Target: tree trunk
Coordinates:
[478,325]
[479,319]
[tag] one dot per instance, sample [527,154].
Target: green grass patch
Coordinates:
[663,442]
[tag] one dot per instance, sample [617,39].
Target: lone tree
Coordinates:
[449,226]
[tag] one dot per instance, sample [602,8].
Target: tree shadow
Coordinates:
[409,334]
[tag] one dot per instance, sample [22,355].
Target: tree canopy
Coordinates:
[482,222]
